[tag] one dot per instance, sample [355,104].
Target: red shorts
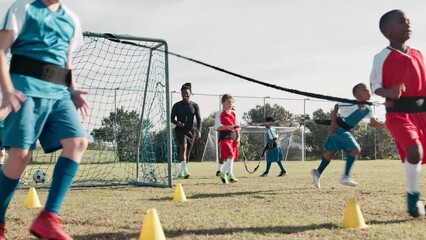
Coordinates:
[408,130]
[228,149]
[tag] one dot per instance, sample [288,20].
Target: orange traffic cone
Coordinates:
[353,217]
[151,229]
[32,200]
[179,195]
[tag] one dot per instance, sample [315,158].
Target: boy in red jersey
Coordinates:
[398,75]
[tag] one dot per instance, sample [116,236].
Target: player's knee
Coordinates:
[355,152]
[76,144]
[414,154]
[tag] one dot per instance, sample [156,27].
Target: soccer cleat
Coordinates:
[2,231]
[217,173]
[316,177]
[346,180]
[224,178]
[186,175]
[179,175]
[282,174]
[265,174]
[48,225]
[412,199]
[232,179]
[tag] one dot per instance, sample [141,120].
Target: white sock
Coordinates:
[219,167]
[184,166]
[231,167]
[412,173]
[228,165]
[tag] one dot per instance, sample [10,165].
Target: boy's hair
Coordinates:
[356,87]
[226,96]
[269,119]
[186,86]
[385,19]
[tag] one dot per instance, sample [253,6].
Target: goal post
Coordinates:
[128,126]
[253,140]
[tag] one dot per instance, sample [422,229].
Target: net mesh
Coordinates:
[128,128]
[253,141]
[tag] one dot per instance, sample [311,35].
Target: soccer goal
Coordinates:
[128,125]
[253,141]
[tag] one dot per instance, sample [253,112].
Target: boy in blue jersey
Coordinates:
[340,137]
[274,152]
[42,99]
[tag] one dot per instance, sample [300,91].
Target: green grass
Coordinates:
[254,208]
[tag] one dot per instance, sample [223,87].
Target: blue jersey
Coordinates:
[44,35]
[352,114]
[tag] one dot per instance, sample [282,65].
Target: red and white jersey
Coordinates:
[392,67]
[224,118]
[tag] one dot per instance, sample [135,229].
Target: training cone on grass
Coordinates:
[353,217]
[179,195]
[32,200]
[151,228]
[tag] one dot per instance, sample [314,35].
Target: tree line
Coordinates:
[120,128]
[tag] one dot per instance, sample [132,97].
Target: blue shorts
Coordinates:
[341,140]
[47,120]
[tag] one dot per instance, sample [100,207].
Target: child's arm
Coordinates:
[77,95]
[392,93]
[12,99]
[377,124]
[333,125]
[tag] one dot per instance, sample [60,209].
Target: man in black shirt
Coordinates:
[183,113]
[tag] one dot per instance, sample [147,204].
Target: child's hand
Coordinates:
[80,102]
[11,101]
[396,91]
[180,124]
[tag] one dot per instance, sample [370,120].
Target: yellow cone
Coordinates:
[32,200]
[353,217]
[151,229]
[179,195]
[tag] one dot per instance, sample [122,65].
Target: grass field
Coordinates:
[254,208]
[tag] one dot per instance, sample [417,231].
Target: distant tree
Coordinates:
[119,127]
[315,135]
[256,114]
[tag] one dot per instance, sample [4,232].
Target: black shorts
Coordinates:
[185,137]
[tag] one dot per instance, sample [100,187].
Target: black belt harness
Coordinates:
[339,122]
[406,104]
[227,135]
[20,64]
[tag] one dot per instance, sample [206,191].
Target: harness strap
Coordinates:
[406,104]
[227,135]
[48,72]
[339,121]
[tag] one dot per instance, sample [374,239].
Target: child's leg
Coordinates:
[325,160]
[10,175]
[412,166]
[350,159]
[65,171]
[268,167]
[280,164]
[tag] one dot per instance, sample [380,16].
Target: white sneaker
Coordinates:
[316,176]
[346,180]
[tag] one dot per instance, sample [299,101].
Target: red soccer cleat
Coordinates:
[2,232]
[48,225]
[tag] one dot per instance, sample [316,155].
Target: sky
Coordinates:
[320,46]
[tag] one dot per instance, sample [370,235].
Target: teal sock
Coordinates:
[63,174]
[324,163]
[268,166]
[280,164]
[8,187]
[349,162]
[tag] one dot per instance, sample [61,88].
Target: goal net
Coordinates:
[128,124]
[253,139]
